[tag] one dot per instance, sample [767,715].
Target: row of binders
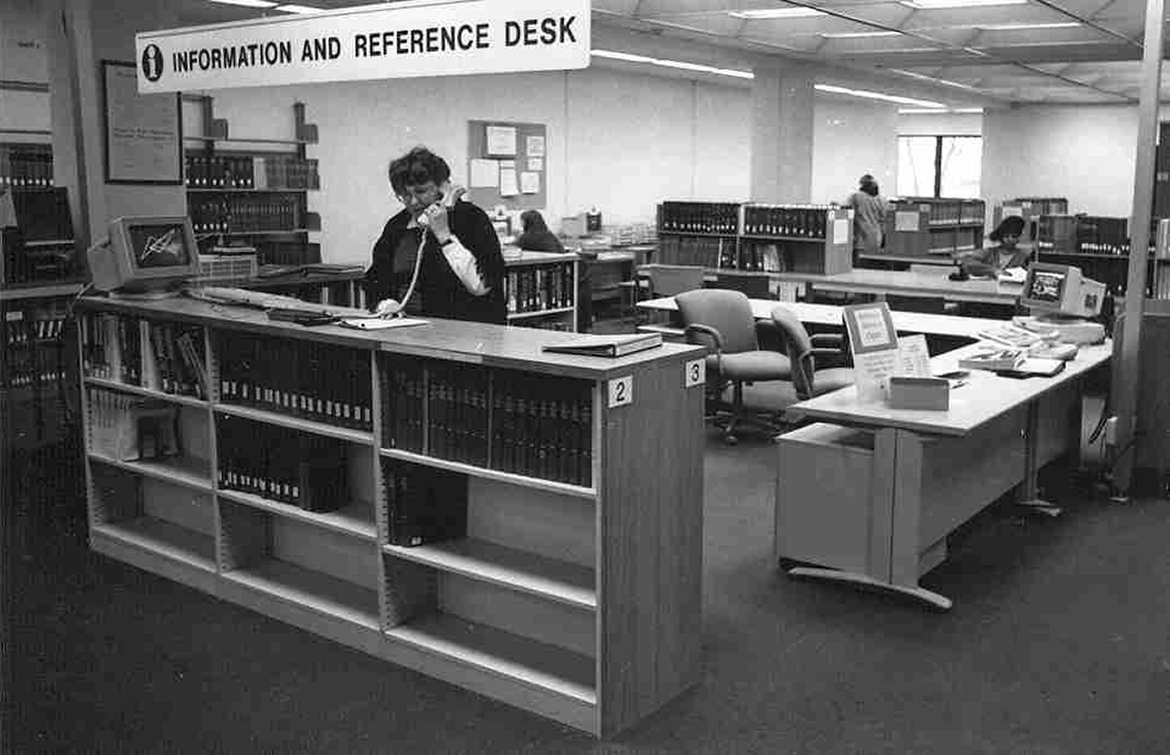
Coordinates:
[698,251]
[944,211]
[281,464]
[424,505]
[699,217]
[538,425]
[215,214]
[26,167]
[179,358]
[307,379]
[111,348]
[535,289]
[273,172]
[800,221]
[33,348]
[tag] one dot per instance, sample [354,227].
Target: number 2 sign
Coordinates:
[621,391]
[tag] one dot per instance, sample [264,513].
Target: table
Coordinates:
[917,283]
[871,498]
[830,315]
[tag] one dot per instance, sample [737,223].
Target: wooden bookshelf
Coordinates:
[580,602]
[540,289]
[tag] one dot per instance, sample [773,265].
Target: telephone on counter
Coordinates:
[447,200]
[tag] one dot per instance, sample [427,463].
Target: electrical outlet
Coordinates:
[1111,431]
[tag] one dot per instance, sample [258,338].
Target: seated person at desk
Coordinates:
[990,262]
[461,273]
[535,235]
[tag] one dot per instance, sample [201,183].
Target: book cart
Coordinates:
[558,498]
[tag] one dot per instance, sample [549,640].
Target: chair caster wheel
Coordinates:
[730,440]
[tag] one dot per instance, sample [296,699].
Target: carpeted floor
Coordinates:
[1059,642]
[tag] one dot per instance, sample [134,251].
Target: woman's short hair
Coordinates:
[531,221]
[417,167]
[868,184]
[1012,225]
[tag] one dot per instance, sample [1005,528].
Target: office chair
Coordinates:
[722,320]
[803,351]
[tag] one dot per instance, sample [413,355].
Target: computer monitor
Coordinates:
[1061,291]
[145,256]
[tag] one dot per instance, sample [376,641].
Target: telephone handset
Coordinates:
[446,200]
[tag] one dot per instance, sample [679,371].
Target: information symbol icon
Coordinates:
[152,62]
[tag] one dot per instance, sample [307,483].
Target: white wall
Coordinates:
[1083,153]
[620,141]
[851,138]
[23,58]
[940,124]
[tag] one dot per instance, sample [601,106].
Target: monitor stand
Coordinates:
[1076,330]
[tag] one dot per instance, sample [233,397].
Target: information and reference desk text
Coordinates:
[871,497]
[310,464]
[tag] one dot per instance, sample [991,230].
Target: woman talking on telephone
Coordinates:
[460,273]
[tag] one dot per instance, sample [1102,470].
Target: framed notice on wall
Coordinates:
[143,132]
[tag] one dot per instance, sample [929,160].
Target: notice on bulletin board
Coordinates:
[508,182]
[840,230]
[536,163]
[501,141]
[535,146]
[906,221]
[484,173]
[529,182]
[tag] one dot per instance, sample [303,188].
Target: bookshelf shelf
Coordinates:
[508,567]
[115,385]
[806,239]
[544,667]
[543,594]
[17,293]
[48,242]
[296,423]
[282,232]
[356,519]
[226,190]
[303,587]
[698,233]
[540,313]
[238,140]
[183,470]
[535,483]
[159,536]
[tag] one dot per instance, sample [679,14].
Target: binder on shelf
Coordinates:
[606,346]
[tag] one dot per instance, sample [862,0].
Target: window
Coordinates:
[939,166]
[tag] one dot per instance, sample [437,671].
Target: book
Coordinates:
[998,359]
[1035,366]
[1012,336]
[606,346]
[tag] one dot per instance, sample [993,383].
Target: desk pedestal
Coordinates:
[874,506]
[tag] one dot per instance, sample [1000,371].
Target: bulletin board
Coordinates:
[507,164]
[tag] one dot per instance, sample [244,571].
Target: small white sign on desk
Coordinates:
[874,343]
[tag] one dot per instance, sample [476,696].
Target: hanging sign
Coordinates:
[399,40]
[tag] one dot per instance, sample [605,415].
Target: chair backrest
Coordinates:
[755,286]
[728,312]
[668,280]
[800,353]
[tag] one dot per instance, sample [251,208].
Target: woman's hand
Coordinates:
[388,308]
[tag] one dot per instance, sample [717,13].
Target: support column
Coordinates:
[782,134]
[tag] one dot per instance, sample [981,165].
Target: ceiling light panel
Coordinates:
[302,9]
[948,4]
[773,13]
[860,34]
[246,3]
[871,95]
[1028,27]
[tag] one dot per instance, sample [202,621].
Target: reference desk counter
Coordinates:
[809,313]
[868,494]
[930,284]
[445,496]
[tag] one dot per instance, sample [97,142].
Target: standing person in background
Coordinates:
[869,216]
[461,273]
[535,235]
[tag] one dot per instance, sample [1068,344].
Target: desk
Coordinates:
[931,285]
[871,498]
[830,315]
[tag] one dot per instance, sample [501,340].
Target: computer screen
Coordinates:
[1061,290]
[145,255]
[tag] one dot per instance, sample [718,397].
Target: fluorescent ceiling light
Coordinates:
[247,3]
[866,94]
[762,13]
[932,79]
[936,4]
[668,63]
[936,111]
[859,34]
[1021,27]
[299,9]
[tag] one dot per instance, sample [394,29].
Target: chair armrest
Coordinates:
[705,330]
[770,336]
[827,341]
